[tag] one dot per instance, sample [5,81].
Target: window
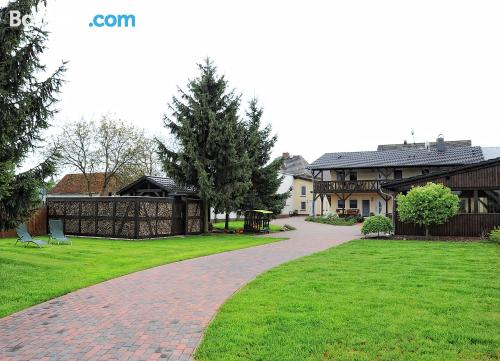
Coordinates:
[303,190]
[353,175]
[398,174]
[302,206]
[353,203]
[488,201]
[340,203]
[340,175]
[425,171]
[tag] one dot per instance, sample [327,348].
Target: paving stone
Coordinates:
[156,314]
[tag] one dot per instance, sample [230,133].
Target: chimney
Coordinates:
[440,145]
[286,155]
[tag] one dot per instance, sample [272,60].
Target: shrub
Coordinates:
[495,235]
[427,205]
[332,215]
[333,221]
[377,224]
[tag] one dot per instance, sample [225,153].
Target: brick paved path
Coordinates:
[154,314]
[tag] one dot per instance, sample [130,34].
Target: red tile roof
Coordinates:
[76,184]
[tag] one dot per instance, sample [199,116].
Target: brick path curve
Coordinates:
[159,313]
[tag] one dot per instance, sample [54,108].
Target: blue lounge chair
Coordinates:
[25,238]
[56,232]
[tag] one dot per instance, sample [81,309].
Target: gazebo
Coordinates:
[257,221]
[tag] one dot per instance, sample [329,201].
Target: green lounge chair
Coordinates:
[25,238]
[56,232]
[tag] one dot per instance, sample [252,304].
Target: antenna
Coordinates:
[413,135]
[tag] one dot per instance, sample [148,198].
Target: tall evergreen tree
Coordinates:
[26,105]
[265,177]
[209,155]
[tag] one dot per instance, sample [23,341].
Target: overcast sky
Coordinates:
[332,75]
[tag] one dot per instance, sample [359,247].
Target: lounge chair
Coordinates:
[25,237]
[56,232]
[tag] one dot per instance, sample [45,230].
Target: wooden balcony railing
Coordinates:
[347,186]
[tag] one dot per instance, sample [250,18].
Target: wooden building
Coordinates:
[478,187]
[150,207]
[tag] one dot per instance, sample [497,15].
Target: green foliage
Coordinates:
[427,205]
[366,300]
[26,105]
[30,275]
[264,175]
[495,235]
[377,224]
[209,151]
[238,225]
[331,215]
[334,221]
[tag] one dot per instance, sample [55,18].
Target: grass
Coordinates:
[235,225]
[348,221]
[30,275]
[367,300]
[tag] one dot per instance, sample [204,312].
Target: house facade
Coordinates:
[351,182]
[298,178]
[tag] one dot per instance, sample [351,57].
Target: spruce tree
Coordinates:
[26,105]
[209,152]
[265,177]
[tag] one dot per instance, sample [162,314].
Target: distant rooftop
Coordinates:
[295,165]
[433,145]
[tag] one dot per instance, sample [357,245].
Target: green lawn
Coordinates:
[367,300]
[30,275]
[235,225]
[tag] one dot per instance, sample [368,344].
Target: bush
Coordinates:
[333,221]
[377,224]
[332,215]
[495,235]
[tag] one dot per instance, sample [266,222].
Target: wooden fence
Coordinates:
[127,217]
[461,225]
[37,224]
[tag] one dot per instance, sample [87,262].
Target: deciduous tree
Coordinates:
[427,205]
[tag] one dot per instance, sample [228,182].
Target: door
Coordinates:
[179,217]
[366,207]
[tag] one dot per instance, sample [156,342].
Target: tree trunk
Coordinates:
[226,225]
[427,233]
[206,214]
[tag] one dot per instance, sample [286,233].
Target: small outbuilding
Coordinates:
[257,221]
[478,187]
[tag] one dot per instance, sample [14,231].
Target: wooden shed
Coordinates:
[478,187]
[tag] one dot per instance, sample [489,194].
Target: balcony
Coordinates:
[347,186]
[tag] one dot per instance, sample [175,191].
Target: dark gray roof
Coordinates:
[448,143]
[169,185]
[165,183]
[399,158]
[296,166]
[395,184]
